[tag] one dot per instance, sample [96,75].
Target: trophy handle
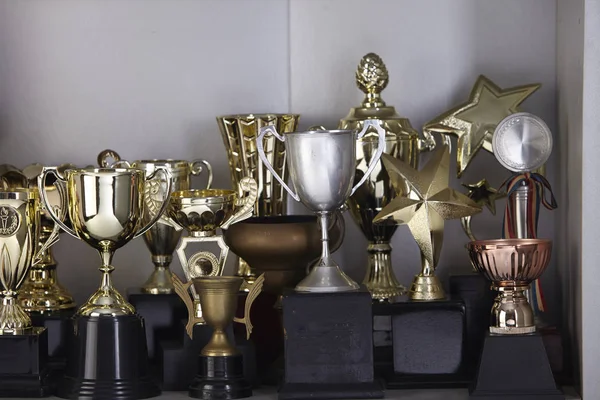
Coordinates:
[261,153]
[165,203]
[380,148]
[252,295]
[62,195]
[196,167]
[105,155]
[182,291]
[247,202]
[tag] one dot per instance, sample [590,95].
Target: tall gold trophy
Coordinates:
[24,373]
[401,142]
[162,238]
[108,357]
[239,134]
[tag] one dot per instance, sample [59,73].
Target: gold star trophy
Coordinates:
[483,195]
[424,209]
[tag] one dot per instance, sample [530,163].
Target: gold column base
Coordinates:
[380,279]
[41,292]
[426,288]
[159,282]
[512,314]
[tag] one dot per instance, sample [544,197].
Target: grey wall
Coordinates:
[148,78]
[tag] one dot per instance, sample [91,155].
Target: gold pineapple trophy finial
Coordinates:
[372,77]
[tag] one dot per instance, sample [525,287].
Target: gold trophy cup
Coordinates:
[201,213]
[220,363]
[162,238]
[239,134]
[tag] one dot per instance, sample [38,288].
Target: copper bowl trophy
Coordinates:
[522,143]
[239,133]
[161,238]
[401,142]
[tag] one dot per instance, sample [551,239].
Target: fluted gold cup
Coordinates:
[511,265]
[162,238]
[202,213]
[20,228]
[106,207]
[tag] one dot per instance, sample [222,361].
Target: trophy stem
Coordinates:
[512,313]
[14,319]
[160,281]
[219,345]
[380,279]
[426,286]
[324,220]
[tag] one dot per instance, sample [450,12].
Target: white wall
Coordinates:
[147,78]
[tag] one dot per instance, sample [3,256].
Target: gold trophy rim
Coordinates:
[192,197]
[17,194]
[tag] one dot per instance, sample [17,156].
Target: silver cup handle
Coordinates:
[165,204]
[61,194]
[261,153]
[196,167]
[380,148]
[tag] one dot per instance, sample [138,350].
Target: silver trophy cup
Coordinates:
[322,167]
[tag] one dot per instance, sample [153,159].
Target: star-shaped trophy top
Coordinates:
[483,194]
[429,202]
[473,122]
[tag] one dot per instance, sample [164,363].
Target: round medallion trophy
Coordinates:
[24,372]
[108,355]
[402,142]
[522,143]
[319,362]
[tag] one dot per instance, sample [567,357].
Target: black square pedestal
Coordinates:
[23,365]
[162,314]
[514,367]
[328,346]
[57,324]
[429,342]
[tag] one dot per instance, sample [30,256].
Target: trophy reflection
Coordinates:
[220,367]
[322,165]
[202,213]
[108,357]
[162,238]
[28,374]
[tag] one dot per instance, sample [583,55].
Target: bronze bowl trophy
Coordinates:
[108,356]
[239,133]
[522,143]
[204,214]
[328,318]
[402,142]
[24,372]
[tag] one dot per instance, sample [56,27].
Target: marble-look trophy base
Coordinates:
[162,314]
[514,367]
[23,365]
[428,344]
[220,378]
[107,360]
[58,324]
[329,346]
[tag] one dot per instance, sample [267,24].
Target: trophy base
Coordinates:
[426,288]
[58,324]
[326,279]
[107,359]
[526,374]
[220,378]
[428,345]
[159,282]
[162,315]
[24,371]
[329,346]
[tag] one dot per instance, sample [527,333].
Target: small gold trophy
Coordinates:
[201,213]
[161,239]
[401,142]
[19,238]
[220,374]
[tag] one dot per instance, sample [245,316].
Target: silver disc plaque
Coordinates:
[522,142]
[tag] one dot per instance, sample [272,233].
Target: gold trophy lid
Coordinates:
[372,77]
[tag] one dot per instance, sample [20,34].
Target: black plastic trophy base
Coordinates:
[220,378]
[514,367]
[329,346]
[58,324]
[107,360]
[162,314]
[23,368]
[429,341]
